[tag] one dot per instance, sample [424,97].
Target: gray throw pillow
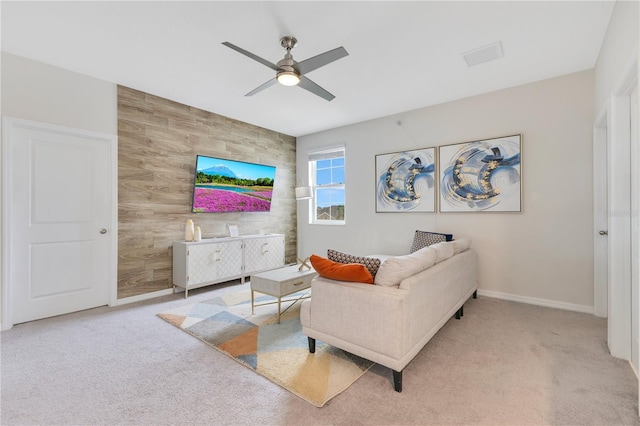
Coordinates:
[371,263]
[424,239]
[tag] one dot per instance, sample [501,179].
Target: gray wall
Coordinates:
[40,92]
[546,252]
[618,47]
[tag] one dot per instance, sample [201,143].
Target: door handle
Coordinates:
[103,231]
[603,233]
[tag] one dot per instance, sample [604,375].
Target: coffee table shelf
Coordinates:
[280,283]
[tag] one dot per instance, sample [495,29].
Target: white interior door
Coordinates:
[635,228]
[59,250]
[620,227]
[600,221]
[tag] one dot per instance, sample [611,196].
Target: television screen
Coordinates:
[223,186]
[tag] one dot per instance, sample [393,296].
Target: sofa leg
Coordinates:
[397,380]
[312,345]
[458,315]
[462,310]
[475,294]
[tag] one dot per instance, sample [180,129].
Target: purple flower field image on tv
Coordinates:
[224,186]
[218,200]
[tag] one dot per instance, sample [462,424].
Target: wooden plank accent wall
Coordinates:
[158,141]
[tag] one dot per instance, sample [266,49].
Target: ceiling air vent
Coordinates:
[483,54]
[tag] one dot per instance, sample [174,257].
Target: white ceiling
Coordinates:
[402,55]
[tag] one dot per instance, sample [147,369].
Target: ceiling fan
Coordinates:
[292,73]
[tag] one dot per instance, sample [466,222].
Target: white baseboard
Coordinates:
[535,301]
[142,297]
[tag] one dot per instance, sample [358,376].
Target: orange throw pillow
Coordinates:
[354,272]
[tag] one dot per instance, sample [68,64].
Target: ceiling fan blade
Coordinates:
[320,60]
[309,85]
[262,87]
[251,55]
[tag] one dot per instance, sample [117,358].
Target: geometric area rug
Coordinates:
[279,352]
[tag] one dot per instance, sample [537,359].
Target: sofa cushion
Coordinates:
[396,268]
[423,239]
[461,245]
[355,272]
[444,250]
[371,263]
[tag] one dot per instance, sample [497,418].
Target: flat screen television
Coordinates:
[223,186]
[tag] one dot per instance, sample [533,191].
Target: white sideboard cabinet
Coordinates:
[263,254]
[216,260]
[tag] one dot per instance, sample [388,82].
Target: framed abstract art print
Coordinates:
[405,181]
[481,176]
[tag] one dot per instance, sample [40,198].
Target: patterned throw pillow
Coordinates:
[371,263]
[424,239]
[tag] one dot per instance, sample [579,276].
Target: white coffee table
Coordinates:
[280,283]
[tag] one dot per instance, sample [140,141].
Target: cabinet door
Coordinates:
[263,253]
[202,263]
[230,255]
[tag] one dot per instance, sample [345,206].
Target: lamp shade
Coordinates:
[303,193]
[288,78]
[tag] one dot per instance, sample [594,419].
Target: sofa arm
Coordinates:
[370,316]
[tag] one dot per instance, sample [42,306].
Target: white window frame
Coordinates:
[325,154]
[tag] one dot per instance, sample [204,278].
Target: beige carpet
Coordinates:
[504,363]
[278,352]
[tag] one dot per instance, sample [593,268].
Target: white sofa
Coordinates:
[388,323]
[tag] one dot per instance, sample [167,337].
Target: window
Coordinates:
[326,178]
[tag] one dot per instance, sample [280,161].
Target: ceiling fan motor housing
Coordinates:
[287,64]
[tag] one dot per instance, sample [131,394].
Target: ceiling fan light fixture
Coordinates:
[288,78]
[292,73]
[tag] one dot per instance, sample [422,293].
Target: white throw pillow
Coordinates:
[396,268]
[443,250]
[460,245]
